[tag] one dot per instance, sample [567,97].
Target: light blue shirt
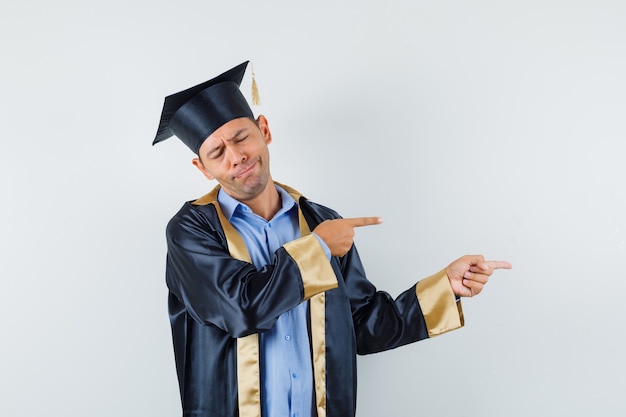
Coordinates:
[286,369]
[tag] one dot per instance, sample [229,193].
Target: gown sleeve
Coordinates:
[427,309]
[232,294]
[382,322]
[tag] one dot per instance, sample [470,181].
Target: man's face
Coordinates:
[237,156]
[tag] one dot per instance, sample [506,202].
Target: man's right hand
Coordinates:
[338,234]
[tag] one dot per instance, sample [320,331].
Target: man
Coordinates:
[269,303]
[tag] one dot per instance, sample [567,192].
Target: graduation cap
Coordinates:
[193,114]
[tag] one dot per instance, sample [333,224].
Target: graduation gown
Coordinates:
[219,303]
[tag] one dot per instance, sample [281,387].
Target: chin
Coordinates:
[251,191]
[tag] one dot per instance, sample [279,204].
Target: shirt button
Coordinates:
[294,375]
[287,338]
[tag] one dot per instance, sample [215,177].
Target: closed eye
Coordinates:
[215,153]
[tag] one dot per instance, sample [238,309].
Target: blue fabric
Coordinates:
[286,369]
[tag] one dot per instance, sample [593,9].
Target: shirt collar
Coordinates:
[230,205]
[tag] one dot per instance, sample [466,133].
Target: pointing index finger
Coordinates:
[499,264]
[364,221]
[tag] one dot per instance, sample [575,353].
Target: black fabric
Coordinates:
[214,298]
[193,114]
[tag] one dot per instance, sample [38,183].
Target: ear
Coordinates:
[265,129]
[198,164]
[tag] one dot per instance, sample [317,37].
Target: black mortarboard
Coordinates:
[193,114]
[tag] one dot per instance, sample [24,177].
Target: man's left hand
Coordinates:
[469,274]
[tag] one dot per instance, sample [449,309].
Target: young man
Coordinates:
[269,303]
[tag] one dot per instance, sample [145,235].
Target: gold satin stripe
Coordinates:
[248,376]
[210,198]
[304,227]
[317,274]
[317,311]
[236,245]
[248,370]
[317,308]
[248,363]
[442,312]
[295,194]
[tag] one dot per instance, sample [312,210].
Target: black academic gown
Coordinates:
[219,302]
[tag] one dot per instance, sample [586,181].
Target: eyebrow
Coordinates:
[233,137]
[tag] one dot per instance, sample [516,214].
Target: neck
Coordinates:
[267,203]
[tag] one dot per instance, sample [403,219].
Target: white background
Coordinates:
[471,127]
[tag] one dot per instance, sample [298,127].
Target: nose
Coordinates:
[237,156]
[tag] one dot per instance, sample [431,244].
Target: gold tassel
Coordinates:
[256,99]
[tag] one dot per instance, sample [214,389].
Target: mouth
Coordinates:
[245,170]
